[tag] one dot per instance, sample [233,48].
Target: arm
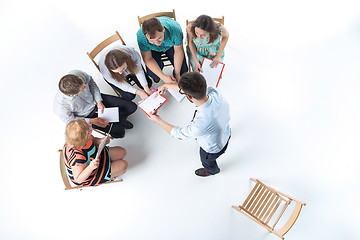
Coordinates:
[178,60]
[81,173]
[165,125]
[192,48]
[223,42]
[153,66]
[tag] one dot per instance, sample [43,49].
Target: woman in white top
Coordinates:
[121,64]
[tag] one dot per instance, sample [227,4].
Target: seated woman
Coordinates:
[80,150]
[120,65]
[206,38]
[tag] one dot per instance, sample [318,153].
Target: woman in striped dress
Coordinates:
[80,150]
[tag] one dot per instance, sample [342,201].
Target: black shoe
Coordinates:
[118,133]
[156,79]
[127,125]
[203,173]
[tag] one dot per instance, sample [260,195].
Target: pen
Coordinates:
[154,90]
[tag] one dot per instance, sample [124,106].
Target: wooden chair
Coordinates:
[217,20]
[65,178]
[172,15]
[101,46]
[262,204]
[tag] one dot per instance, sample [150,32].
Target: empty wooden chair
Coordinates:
[65,177]
[266,206]
[172,15]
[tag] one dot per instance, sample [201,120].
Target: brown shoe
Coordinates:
[202,172]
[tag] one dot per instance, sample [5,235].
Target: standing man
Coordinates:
[79,97]
[210,124]
[157,36]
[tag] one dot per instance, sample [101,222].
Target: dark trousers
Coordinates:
[126,108]
[131,77]
[170,54]
[208,160]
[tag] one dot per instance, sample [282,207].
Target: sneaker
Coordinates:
[127,125]
[203,173]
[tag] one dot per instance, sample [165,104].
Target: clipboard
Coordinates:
[152,103]
[211,75]
[103,143]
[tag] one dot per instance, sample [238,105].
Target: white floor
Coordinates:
[291,77]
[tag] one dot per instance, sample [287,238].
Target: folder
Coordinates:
[152,103]
[211,75]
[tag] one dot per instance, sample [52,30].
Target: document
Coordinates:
[211,75]
[152,103]
[103,143]
[178,96]
[110,114]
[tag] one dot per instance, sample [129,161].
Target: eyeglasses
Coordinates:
[181,91]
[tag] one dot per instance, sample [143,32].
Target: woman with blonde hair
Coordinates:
[80,151]
[206,38]
[119,66]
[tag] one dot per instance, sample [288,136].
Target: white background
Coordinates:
[292,80]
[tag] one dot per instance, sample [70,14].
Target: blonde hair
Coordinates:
[77,133]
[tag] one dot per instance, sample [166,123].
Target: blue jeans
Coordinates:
[208,160]
[170,54]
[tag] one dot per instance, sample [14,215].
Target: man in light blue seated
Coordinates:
[210,124]
[157,36]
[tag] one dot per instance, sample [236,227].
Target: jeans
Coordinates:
[208,160]
[170,54]
[126,108]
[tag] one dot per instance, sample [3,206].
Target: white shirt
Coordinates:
[210,126]
[123,85]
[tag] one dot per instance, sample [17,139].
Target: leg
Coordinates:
[157,58]
[118,165]
[184,67]
[208,160]
[125,95]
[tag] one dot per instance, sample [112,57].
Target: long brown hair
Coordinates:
[115,59]
[208,24]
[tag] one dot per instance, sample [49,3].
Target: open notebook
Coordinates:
[152,103]
[211,75]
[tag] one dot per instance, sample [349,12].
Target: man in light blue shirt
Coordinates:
[159,36]
[210,124]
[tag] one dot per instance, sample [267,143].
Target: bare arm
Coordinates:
[178,59]
[192,48]
[165,125]
[153,66]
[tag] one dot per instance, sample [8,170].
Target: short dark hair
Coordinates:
[151,26]
[193,84]
[70,84]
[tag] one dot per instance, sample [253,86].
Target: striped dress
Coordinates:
[83,155]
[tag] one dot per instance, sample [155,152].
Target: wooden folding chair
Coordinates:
[65,177]
[262,204]
[172,15]
[100,47]
[217,20]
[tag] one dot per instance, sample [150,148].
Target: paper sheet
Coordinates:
[152,103]
[178,96]
[211,75]
[110,114]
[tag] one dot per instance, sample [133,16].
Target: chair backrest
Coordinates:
[218,20]
[159,14]
[262,204]
[104,44]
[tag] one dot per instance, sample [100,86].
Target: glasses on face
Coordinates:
[181,91]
